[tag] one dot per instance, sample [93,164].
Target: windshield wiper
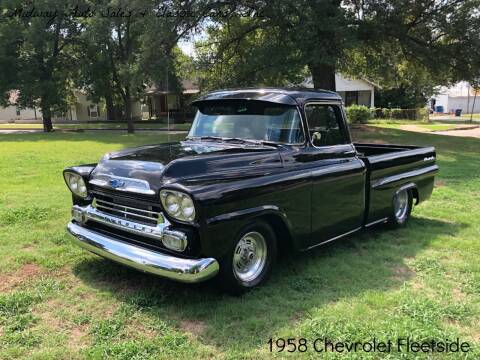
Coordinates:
[235,139]
[252,141]
[205,138]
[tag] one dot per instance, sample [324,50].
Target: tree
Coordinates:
[243,53]
[116,67]
[10,44]
[135,51]
[95,73]
[41,54]
[325,36]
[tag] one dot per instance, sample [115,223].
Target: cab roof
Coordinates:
[286,96]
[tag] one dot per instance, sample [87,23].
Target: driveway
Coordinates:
[475,132]
[467,131]
[20,131]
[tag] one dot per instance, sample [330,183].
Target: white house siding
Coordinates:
[9,114]
[80,111]
[351,90]
[366,98]
[458,96]
[461,102]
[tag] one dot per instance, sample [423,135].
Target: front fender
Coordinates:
[219,232]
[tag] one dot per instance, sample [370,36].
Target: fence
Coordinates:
[408,114]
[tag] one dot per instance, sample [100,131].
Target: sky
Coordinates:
[187,46]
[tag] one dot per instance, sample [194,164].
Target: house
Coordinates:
[352,91]
[159,101]
[14,113]
[82,110]
[458,96]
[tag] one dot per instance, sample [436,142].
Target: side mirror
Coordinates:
[316,137]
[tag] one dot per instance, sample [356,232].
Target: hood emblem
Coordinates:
[116,183]
[119,183]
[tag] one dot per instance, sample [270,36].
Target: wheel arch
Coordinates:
[281,229]
[412,188]
[270,214]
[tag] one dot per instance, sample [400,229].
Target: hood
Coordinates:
[188,162]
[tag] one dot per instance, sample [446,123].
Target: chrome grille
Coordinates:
[146,216]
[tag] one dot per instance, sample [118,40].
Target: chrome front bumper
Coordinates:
[149,261]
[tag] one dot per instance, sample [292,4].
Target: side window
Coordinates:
[325,124]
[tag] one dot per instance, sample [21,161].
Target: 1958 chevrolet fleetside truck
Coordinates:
[260,169]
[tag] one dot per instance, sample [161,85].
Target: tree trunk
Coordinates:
[47,118]
[128,111]
[111,115]
[323,76]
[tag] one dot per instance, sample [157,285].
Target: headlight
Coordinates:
[178,205]
[76,184]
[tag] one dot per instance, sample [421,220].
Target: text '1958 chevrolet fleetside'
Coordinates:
[259,169]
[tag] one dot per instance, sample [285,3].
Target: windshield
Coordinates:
[250,120]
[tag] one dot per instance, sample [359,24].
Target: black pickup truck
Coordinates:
[261,170]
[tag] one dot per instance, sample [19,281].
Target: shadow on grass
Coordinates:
[300,283]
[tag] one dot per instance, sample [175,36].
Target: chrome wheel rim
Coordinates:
[250,256]
[401,204]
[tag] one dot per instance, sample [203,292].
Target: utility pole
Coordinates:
[473,106]
[475,89]
[168,111]
[468,96]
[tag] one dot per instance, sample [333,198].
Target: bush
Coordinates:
[397,113]
[387,113]
[358,114]
[402,114]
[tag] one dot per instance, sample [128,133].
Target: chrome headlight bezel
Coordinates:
[178,205]
[76,184]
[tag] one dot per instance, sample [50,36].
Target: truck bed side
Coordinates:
[392,167]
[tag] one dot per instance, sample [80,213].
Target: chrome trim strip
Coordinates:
[120,183]
[382,220]
[89,213]
[178,269]
[126,207]
[133,227]
[334,238]
[98,206]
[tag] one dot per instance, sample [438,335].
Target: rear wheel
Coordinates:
[250,259]
[401,208]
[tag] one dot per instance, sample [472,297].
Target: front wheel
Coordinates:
[402,207]
[250,259]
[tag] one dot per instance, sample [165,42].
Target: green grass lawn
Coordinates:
[467,116]
[440,127]
[427,126]
[395,122]
[59,302]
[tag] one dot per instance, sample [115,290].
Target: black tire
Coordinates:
[228,277]
[399,216]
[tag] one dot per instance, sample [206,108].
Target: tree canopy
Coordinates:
[114,49]
[393,42]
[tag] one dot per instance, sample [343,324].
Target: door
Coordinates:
[338,176]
